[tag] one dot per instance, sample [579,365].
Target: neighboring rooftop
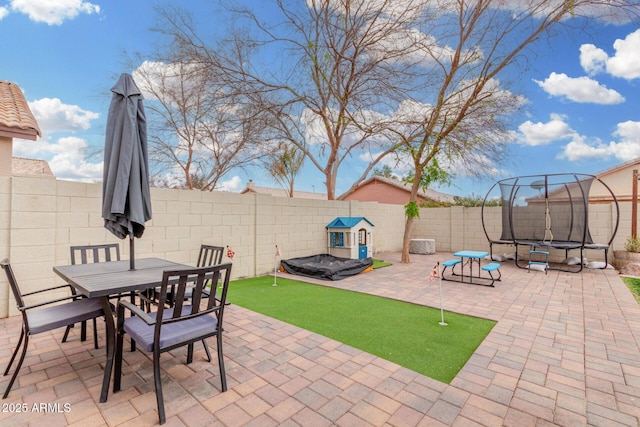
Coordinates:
[387,190]
[16,118]
[279,192]
[22,166]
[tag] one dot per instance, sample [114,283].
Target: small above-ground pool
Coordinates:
[326,267]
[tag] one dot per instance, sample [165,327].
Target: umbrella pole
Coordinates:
[132,261]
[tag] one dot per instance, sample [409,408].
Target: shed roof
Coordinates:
[16,118]
[347,222]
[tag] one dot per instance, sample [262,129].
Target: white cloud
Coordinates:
[539,133]
[67,157]
[593,59]
[580,89]
[54,116]
[3,12]
[625,63]
[53,12]
[603,11]
[579,149]
[627,147]
[233,184]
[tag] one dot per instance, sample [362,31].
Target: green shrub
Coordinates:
[632,244]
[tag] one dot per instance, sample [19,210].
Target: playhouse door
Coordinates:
[362,252]
[362,244]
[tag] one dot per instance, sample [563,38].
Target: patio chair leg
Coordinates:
[13,357]
[189,353]
[83,331]
[117,368]
[95,334]
[66,333]
[223,376]
[18,366]
[206,349]
[133,301]
[158,384]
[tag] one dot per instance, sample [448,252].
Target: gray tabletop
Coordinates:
[108,278]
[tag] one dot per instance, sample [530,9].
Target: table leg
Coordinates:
[111,344]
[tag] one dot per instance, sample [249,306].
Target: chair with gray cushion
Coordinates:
[45,316]
[89,254]
[208,255]
[186,322]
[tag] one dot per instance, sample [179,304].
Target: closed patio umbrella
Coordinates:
[126,202]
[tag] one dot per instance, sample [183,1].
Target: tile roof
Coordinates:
[16,119]
[279,192]
[22,166]
[429,194]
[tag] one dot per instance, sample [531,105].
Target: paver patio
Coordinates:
[565,351]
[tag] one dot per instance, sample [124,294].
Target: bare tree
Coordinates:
[464,112]
[455,110]
[201,128]
[337,78]
[423,79]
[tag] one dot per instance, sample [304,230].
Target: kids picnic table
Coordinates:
[469,258]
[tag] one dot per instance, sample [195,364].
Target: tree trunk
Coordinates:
[406,241]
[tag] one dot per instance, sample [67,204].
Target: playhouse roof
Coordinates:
[347,222]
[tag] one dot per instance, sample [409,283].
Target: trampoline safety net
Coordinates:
[546,208]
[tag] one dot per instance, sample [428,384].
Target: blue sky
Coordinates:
[582,113]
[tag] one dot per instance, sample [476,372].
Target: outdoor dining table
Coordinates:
[101,280]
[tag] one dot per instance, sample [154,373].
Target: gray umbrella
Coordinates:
[126,203]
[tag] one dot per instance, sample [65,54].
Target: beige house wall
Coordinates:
[41,217]
[620,181]
[6,148]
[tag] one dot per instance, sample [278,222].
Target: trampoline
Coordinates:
[548,211]
[325,266]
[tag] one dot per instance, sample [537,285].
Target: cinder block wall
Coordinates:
[41,217]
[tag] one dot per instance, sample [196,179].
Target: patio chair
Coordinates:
[183,324]
[209,255]
[90,254]
[45,316]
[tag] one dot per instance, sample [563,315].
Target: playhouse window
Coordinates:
[336,239]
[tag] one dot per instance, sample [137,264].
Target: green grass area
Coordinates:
[378,263]
[404,333]
[634,286]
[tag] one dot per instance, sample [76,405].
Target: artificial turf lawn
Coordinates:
[633,284]
[403,333]
[378,263]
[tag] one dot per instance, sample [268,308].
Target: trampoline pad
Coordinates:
[325,266]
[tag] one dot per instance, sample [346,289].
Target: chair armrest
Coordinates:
[149,320]
[46,290]
[28,307]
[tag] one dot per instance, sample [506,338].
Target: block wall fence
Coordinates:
[40,217]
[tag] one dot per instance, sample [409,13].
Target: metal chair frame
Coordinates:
[45,316]
[85,254]
[201,317]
